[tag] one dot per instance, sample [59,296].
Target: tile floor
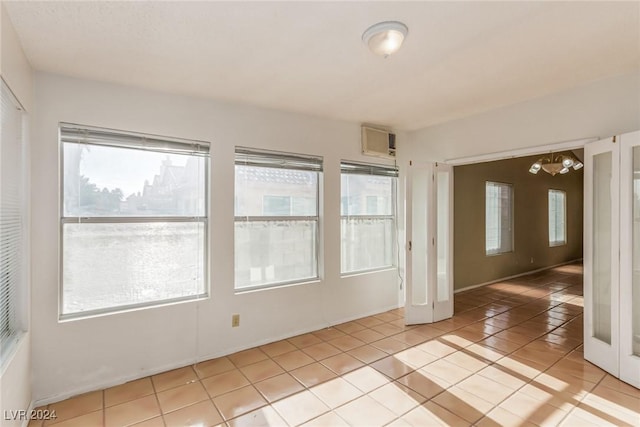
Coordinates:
[511,355]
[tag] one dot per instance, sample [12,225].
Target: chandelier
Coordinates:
[559,164]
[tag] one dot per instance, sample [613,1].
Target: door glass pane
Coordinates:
[602,247]
[442,179]
[635,292]
[420,180]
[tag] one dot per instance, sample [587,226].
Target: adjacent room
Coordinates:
[319,213]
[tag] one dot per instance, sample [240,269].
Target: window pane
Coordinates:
[275,192]
[557,227]
[601,268]
[367,243]
[115,181]
[498,218]
[635,283]
[115,265]
[268,252]
[366,195]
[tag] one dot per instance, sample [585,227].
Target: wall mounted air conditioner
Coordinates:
[379,143]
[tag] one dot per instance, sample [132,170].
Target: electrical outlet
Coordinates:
[235,320]
[531,260]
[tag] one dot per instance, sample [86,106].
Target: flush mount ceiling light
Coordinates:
[385,38]
[559,164]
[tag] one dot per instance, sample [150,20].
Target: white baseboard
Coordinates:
[148,372]
[515,276]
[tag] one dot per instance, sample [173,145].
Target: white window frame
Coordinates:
[365,169]
[14,230]
[500,250]
[556,193]
[245,156]
[91,135]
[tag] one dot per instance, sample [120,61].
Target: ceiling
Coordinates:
[459,59]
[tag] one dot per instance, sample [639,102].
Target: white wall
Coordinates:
[15,373]
[603,108]
[86,354]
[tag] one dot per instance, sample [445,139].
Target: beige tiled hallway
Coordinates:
[511,355]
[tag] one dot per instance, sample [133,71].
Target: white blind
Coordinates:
[557,215]
[498,218]
[275,159]
[11,216]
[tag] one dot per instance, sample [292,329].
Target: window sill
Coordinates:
[555,245]
[370,271]
[84,315]
[272,286]
[14,344]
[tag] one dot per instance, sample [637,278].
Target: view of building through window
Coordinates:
[276,226]
[367,219]
[131,234]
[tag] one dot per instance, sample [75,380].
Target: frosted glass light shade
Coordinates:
[385,38]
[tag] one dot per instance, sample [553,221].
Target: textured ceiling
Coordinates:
[460,58]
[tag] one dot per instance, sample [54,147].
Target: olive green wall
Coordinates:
[531,234]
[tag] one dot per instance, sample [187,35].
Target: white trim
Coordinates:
[521,152]
[192,361]
[515,276]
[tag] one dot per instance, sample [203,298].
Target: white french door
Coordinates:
[612,256]
[601,259]
[630,258]
[429,237]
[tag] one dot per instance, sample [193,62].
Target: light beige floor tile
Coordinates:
[174,378]
[93,419]
[278,387]
[392,367]
[346,343]
[366,379]
[247,357]
[499,417]
[300,407]
[202,414]
[425,384]
[76,406]
[464,404]
[431,414]
[277,348]
[414,358]
[306,340]
[328,334]
[397,398]
[336,392]
[342,363]
[179,397]
[321,351]
[263,417]
[132,412]
[330,419]
[212,367]
[261,370]
[128,391]
[367,354]
[313,374]
[239,402]
[365,411]
[293,360]
[224,383]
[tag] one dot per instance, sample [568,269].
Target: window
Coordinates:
[367,217]
[498,218]
[557,218]
[276,218]
[134,220]
[12,218]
